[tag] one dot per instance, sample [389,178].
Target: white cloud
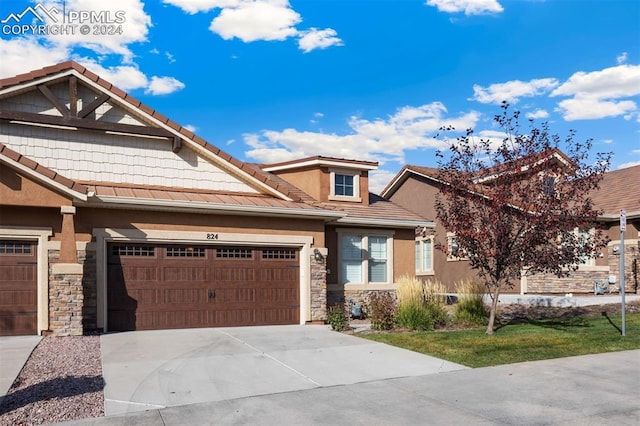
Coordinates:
[469,7]
[378,180]
[134,26]
[607,141]
[599,94]
[512,91]
[539,113]
[26,54]
[622,58]
[252,20]
[195,6]
[318,114]
[586,108]
[375,140]
[318,39]
[164,85]
[191,128]
[29,52]
[259,20]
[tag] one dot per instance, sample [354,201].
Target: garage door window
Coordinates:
[186,252]
[279,254]
[234,253]
[134,251]
[14,247]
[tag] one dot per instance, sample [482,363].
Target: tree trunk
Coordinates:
[494,309]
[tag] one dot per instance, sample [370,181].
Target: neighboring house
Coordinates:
[113,217]
[416,189]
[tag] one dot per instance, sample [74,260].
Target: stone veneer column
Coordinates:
[318,284]
[66,295]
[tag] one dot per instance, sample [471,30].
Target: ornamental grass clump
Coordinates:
[470,308]
[435,300]
[420,305]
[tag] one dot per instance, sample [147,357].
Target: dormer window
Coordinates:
[345,185]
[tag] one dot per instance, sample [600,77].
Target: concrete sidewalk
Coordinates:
[586,390]
[14,352]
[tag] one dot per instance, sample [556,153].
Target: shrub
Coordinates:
[435,300]
[414,316]
[470,308]
[337,318]
[420,306]
[382,310]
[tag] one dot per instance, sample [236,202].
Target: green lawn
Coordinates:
[535,340]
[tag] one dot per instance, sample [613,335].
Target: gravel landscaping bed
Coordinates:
[61,381]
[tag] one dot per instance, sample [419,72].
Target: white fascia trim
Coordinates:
[19,87]
[45,180]
[225,165]
[320,162]
[385,222]
[612,217]
[193,206]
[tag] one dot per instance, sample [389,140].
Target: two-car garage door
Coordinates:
[181,286]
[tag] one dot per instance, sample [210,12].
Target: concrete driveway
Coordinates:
[155,369]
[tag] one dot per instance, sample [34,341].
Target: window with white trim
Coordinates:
[424,256]
[345,185]
[454,251]
[365,258]
[583,237]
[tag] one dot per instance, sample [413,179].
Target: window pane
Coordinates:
[427,252]
[377,271]
[351,271]
[378,248]
[351,251]
[344,185]
[351,247]
[377,259]
[418,257]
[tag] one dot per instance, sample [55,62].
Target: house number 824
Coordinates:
[212,236]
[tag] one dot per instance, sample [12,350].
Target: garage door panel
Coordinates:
[203,286]
[18,288]
[186,273]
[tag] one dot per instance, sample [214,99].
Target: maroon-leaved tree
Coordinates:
[520,205]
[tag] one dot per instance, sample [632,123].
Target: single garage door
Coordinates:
[152,287]
[18,288]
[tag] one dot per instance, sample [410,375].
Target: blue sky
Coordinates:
[273,80]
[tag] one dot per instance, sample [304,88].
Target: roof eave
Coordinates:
[209,208]
[389,223]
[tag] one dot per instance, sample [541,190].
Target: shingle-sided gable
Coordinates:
[75,122]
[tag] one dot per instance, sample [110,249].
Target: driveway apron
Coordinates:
[155,369]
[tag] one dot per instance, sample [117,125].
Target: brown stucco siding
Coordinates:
[89,218]
[418,196]
[16,189]
[404,260]
[311,180]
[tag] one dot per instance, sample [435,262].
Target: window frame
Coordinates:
[365,258]
[451,236]
[355,174]
[419,246]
